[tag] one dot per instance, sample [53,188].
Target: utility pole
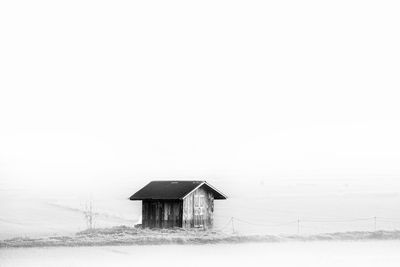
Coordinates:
[375,223]
[89,215]
[298,226]
[233,226]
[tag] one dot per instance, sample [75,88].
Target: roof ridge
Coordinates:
[178,181]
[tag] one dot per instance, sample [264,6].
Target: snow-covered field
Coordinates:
[307,254]
[323,207]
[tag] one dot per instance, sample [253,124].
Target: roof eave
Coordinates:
[205,183]
[193,190]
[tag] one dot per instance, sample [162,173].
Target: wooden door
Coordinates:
[199,211]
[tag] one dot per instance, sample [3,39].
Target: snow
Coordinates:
[38,217]
[307,254]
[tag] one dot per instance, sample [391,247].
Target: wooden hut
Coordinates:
[187,204]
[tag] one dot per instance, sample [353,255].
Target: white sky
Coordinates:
[102,92]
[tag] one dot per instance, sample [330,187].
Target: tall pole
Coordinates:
[233,226]
[91,215]
[298,226]
[375,223]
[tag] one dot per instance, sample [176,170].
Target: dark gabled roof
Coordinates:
[172,190]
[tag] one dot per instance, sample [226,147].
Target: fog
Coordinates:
[290,108]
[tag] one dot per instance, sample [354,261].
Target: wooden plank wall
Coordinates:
[188,209]
[162,213]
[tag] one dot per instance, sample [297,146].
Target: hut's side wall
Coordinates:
[190,219]
[188,211]
[161,213]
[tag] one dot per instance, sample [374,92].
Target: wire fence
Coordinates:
[370,223]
